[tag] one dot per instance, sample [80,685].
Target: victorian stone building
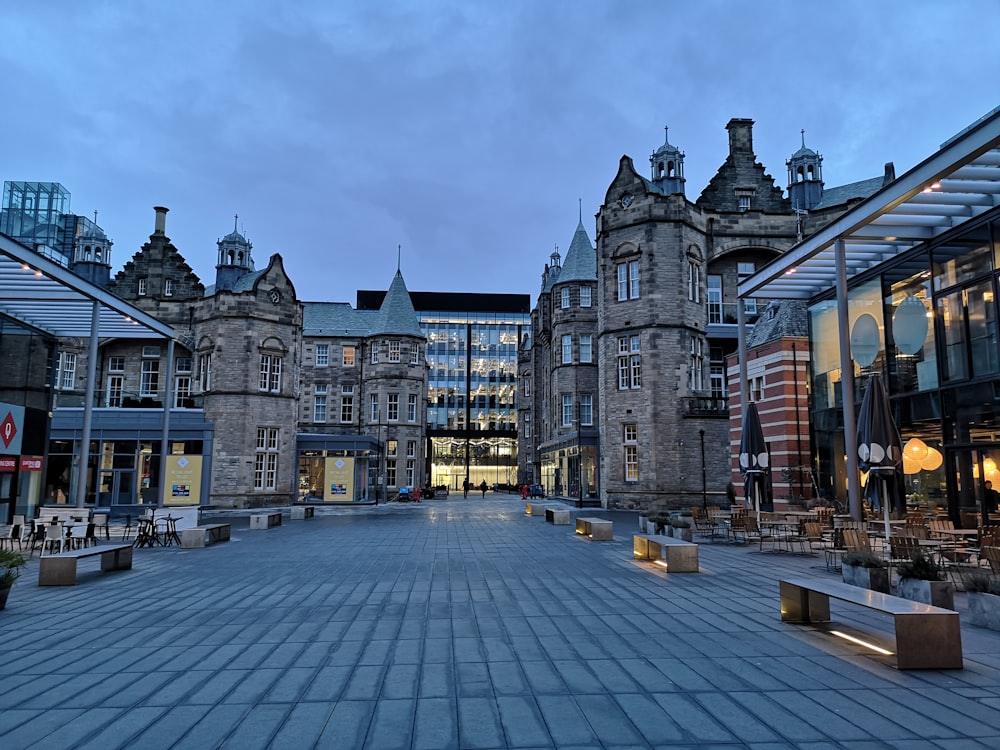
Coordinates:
[661,320]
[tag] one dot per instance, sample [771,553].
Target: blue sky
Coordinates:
[465,131]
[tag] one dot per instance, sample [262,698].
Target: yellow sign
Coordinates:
[339,485]
[183,480]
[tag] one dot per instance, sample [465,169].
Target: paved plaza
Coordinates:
[460,624]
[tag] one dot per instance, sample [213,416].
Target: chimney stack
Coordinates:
[161,220]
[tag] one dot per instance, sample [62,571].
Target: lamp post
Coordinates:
[704,476]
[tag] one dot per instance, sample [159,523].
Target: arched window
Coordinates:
[799,175]
[670,169]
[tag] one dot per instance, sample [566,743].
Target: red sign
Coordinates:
[8,430]
[8,463]
[31,463]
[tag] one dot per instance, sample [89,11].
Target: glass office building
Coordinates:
[472,342]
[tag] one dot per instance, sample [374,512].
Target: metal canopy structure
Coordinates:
[955,185]
[46,296]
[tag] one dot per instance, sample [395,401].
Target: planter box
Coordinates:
[644,525]
[984,610]
[686,534]
[876,579]
[937,593]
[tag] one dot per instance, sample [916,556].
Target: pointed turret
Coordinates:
[805,178]
[397,315]
[234,259]
[667,165]
[581,258]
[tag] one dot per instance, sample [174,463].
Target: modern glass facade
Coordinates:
[937,345]
[34,214]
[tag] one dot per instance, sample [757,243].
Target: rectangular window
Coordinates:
[265,474]
[347,403]
[374,352]
[410,467]
[270,374]
[527,387]
[622,281]
[392,407]
[182,392]
[586,410]
[630,438]
[697,365]
[153,352]
[565,298]
[390,472]
[391,446]
[567,410]
[411,448]
[149,378]
[116,364]
[66,374]
[143,282]
[717,381]
[322,355]
[586,347]
[633,279]
[415,354]
[348,356]
[205,372]
[319,404]
[373,407]
[756,388]
[527,426]
[715,299]
[116,384]
[629,363]
[411,408]
[744,203]
[168,287]
[585,296]
[567,349]
[182,365]
[394,351]
[694,281]
[745,271]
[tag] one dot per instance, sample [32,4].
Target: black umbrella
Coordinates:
[879,446]
[754,460]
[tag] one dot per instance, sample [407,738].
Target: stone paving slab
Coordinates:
[461,624]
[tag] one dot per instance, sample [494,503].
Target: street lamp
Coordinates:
[704,476]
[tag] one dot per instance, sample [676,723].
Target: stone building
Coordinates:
[667,271]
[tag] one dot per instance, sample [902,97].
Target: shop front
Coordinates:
[337,468]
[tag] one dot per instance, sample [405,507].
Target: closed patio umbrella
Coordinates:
[880,449]
[754,460]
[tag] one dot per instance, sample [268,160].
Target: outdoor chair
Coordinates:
[992,557]
[101,523]
[13,535]
[753,534]
[55,538]
[856,540]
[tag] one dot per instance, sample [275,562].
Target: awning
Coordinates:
[40,293]
[954,186]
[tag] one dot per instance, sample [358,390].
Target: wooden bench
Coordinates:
[598,529]
[60,569]
[200,536]
[557,516]
[536,509]
[677,555]
[265,520]
[927,637]
[302,512]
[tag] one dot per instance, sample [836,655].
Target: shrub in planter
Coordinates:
[682,528]
[866,570]
[11,563]
[920,581]
[659,522]
[984,600]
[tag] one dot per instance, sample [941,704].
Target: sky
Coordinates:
[459,139]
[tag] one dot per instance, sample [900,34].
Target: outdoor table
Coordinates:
[145,534]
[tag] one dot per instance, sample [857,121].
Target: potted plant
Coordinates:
[867,570]
[920,580]
[11,563]
[984,600]
[682,528]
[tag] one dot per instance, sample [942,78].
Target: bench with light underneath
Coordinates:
[536,509]
[302,512]
[265,520]
[927,637]
[598,529]
[678,556]
[60,569]
[200,536]
[556,516]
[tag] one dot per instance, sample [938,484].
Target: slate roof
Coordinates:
[397,316]
[780,319]
[336,319]
[581,259]
[839,195]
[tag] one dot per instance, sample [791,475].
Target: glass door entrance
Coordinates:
[975,485]
[117,487]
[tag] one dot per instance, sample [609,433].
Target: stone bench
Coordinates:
[557,516]
[536,509]
[302,512]
[200,536]
[927,637]
[265,520]
[598,529]
[60,569]
[677,555]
